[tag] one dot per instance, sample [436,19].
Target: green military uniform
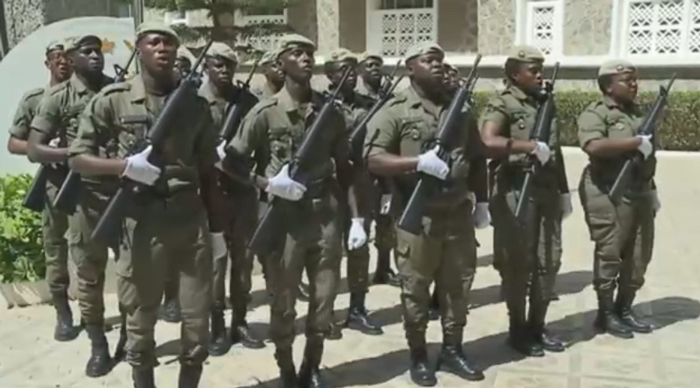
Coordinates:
[167,228]
[623,233]
[265,90]
[273,130]
[445,251]
[529,251]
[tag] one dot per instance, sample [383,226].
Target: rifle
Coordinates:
[170,118]
[411,219]
[265,233]
[34,199]
[648,127]
[540,132]
[387,87]
[67,198]
[245,100]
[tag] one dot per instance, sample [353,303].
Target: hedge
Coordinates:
[680,124]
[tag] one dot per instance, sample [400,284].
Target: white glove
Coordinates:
[430,163]
[357,236]
[542,152]
[218,245]
[285,187]
[566,206]
[54,142]
[221,150]
[139,169]
[482,216]
[645,147]
[471,196]
[655,201]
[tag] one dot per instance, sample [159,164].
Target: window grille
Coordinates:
[396,25]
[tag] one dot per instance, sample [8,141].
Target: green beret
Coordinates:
[146,27]
[55,45]
[288,41]
[74,43]
[524,53]
[423,48]
[616,66]
[367,55]
[183,52]
[222,50]
[268,58]
[341,55]
[450,67]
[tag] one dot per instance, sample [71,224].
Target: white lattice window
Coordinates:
[395,25]
[544,26]
[662,27]
[266,42]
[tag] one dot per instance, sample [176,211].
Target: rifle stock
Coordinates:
[34,199]
[270,226]
[648,127]
[170,117]
[411,218]
[540,132]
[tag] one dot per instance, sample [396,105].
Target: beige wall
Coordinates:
[587,27]
[496,26]
[458,25]
[353,24]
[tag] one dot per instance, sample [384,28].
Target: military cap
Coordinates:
[183,52]
[450,67]
[268,58]
[288,41]
[341,54]
[524,53]
[423,48]
[222,50]
[76,42]
[615,66]
[55,45]
[146,27]
[367,55]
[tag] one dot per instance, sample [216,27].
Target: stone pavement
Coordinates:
[667,358]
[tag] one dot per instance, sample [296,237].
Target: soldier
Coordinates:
[59,71]
[370,71]
[169,225]
[274,77]
[240,210]
[58,117]
[398,144]
[623,233]
[354,107]
[530,251]
[273,130]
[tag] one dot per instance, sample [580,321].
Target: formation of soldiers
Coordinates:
[203,197]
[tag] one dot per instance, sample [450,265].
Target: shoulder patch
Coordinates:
[118,87]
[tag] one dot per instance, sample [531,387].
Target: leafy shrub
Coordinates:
[680,124]
[21,249]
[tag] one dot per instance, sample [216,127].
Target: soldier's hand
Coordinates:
[218,245]
[482,216]
[285,187]
[566,206]
[655,201]
[54,142]
[542,152]
[140,170]
[357,236]
[431,164]
[645,146]
[221,150]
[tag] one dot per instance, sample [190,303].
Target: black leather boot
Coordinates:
[288,373]
[358,318]
[421,372]
[119,352]
[607,321]
[303,290]
[243,335]
[143,378]
[536,321]
[189,376]
[434,308]
[219,343]
[453,360]
[170,311]
[64,329]
[623,307]
[310,369]
[335,331]
[519,336]
[99,363]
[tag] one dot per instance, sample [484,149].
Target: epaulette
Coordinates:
[397,99]
[593,105]
[58,87]
[33,93]
[263,104]
[118,87]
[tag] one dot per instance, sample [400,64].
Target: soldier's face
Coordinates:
[58,64]
[529,77]
[158,52]
[183,66]
[427,67]
[624,87]
[336,74]
[88,58]
[298,63]
[220,70]
[372,69]
[273,72]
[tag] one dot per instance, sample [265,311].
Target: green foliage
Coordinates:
[680,124]
[21,249]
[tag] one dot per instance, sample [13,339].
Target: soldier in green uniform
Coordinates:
[169,224]
[623,233]
[354,107]
[274,77]
[58,116]
[240,213]
[59,71]
[371,75]
[529,251]
[399,144]
[272,131]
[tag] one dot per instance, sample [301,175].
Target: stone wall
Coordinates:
[496,26]
[587,27]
